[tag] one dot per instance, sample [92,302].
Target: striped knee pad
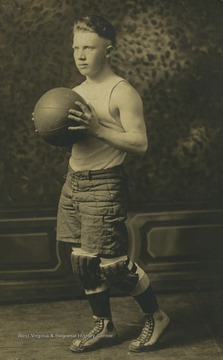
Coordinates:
[120,272]
[125,274]
[86,268]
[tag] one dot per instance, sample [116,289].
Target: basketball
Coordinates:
[51,116]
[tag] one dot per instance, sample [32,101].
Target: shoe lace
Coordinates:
[147,330]
[97,329]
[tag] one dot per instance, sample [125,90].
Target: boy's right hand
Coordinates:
[33,121]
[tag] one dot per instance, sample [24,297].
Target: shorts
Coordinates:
[92,211]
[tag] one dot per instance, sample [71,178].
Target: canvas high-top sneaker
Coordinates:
[155,326]
[103,334]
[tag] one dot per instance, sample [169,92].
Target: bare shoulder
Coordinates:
[125,93]
[76,88]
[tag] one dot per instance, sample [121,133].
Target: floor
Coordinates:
[44,331]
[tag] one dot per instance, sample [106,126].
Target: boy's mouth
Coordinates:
[82,65]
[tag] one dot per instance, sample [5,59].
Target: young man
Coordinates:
[92,207]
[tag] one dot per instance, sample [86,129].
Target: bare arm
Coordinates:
[126,102]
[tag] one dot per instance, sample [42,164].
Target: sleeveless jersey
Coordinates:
[91,153]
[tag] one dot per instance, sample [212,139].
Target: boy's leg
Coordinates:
[86,268]
[156,321]
[129,277]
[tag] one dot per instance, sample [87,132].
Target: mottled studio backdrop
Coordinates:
[171,51]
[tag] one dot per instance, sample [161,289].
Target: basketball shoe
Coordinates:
[103,334]
[155,326]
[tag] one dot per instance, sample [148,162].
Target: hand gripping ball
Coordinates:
[51,116]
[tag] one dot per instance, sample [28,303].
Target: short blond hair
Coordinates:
[97,24]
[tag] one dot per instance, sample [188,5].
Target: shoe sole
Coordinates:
[156,344]
[103,343]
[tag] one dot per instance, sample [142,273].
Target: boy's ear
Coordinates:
[109,50]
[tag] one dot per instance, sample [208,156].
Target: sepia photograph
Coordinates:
[111,179]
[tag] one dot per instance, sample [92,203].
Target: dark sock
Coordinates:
[100,304]
[147,301]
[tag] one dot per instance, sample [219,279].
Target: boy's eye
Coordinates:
[76,48]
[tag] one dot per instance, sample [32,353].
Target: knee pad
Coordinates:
[121,272]
[86,268]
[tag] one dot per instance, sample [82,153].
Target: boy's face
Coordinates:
[89,52]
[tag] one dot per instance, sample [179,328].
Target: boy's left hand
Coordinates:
[86,119]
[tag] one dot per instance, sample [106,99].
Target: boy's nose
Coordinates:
[82,55]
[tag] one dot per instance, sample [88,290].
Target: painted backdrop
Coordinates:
[171,51]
